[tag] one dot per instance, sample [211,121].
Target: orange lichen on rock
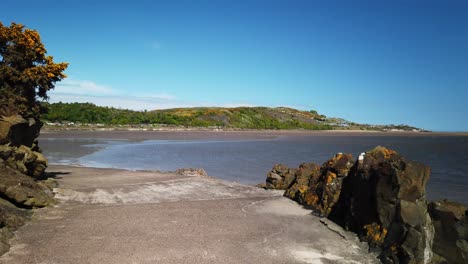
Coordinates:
[375,233]
[302,189]
[330,177]
[311,198]
[388,152]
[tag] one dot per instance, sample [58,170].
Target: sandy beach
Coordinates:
[118,216]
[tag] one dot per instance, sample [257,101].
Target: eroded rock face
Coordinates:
[280,177]
[18,144]
[450,220]
[18,131]
[319,188]
[21,165]
[23,159]
[381,197]
[383,200]
[22,190]
[18,192]
[306,176]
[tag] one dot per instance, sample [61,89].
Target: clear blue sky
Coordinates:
[376,62]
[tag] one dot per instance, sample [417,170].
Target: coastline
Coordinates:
[257,150]
[119,216]
[196,133]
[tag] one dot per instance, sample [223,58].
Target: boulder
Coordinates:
[383,200]
[17,130]
[450,221]
[24,159]
[37,168]
[328,187]
[319,188]
[306,175]
[22,190]
[280,177]
[192,172]
[11,216]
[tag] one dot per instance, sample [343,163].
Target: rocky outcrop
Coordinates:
[18,193]
[18,144]
[23,159]
[23,191]
[450,220]
[17,130]
[318,188]
[381,197]
[383,200]
[306,176]
[21,166]
[280,177]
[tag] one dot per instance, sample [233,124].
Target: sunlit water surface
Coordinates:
[247,160]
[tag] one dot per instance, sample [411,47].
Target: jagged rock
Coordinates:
[22,190]
[450,221]
[383,201]
[328,187]
[19,131]
[306,175]
[37,168]
[19,157]
[24,159]
[319,188]
[280,177]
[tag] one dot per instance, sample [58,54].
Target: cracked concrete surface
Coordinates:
[116,216]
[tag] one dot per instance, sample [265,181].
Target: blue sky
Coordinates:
[377,62]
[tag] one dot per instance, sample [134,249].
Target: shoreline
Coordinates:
[120,216]
[76,144]
[142,134]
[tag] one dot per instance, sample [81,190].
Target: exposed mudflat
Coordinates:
[117,216]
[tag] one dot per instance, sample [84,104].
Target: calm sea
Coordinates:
[248,160]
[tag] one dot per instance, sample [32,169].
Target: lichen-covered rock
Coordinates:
[22,190]
[324,191]
[38,167]
[450,221]
[306,175]
[280,177]
[383,200]
[24,159]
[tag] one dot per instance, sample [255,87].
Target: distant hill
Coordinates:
[86,114]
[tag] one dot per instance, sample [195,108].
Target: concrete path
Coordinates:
[115,216]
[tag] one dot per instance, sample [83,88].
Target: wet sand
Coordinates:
[118,216]
[221,134]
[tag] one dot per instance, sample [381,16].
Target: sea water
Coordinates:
[248,160]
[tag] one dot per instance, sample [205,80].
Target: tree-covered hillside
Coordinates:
[239,117]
